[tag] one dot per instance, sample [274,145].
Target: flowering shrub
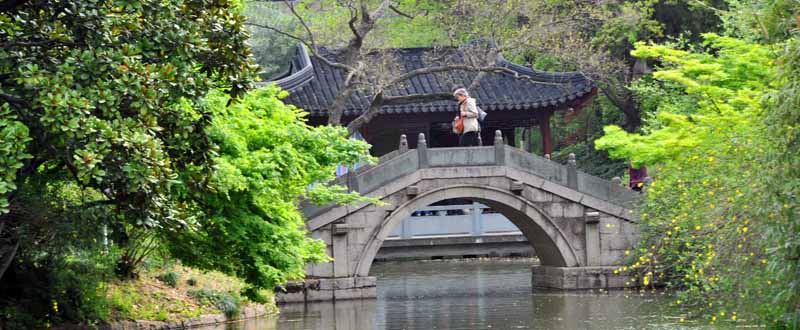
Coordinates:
[707,217]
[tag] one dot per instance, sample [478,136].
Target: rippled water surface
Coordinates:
[473,295]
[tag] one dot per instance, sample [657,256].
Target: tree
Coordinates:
[268,157]
[596,38]
[362,53]
[719,220]
[103,95]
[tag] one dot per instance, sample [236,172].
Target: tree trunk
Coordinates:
[624,102]
[336,110]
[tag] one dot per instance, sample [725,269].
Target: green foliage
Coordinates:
[228,304]
[726,87]
[268,157]
[783,186]
[102,94]
[100,128]
[169,278]
[709,223]
[14,137]
[49,291]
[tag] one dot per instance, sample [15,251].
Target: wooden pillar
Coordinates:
[544,128]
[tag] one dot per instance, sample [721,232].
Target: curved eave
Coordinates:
[577,98]
[302,76]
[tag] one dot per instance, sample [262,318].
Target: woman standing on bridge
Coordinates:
[466,123]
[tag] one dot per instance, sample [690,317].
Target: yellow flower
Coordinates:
[733,317]
[697,227]
[713,318]
[744,229]
[646,280]
[722,313]
[627,252]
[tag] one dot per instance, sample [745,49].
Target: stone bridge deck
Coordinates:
[578,224]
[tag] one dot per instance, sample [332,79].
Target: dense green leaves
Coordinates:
[101,127]
[710,226]
[13,142]
[268,158]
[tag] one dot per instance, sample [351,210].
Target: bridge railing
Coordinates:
[454,221]
[404,161]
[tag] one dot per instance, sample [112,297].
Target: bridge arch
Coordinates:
[551,244]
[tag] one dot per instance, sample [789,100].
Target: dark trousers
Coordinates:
[468,139]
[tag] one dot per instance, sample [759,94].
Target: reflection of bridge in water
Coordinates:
[578,225]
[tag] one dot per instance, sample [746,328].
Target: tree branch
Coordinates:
[399,12]
[310,47]
[466,67]
[416,98]
[302,22]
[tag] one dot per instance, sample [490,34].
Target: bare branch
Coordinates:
[311,48]
[302,22]
[465,67]
[279,31]
[364,12]
[399,12]
[378,13]
[476,81]
[416,98]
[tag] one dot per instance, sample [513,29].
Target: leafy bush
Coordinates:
[711,226]
[268,159]
[227,303]
[169,278]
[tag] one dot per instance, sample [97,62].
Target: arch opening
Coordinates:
[550,244]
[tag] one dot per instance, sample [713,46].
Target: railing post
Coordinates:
[477,219]
[405,232]
[403,144]
[572,172]
[422,149]
[499,148]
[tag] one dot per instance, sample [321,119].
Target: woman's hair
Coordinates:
[461,91]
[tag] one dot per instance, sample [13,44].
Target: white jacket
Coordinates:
[471,117]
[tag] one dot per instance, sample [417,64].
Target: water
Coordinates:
[474,295]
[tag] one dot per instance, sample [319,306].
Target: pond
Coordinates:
[477,294]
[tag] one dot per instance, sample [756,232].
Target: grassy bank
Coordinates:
[175,292]
[86,292]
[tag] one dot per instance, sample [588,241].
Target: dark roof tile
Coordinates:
[313,85]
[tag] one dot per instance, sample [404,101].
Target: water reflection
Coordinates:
[473,295]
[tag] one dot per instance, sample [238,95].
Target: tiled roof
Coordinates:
[313,85]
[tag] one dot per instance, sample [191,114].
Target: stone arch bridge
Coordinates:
[579,225]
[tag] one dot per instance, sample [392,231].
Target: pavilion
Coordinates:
[510,102]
